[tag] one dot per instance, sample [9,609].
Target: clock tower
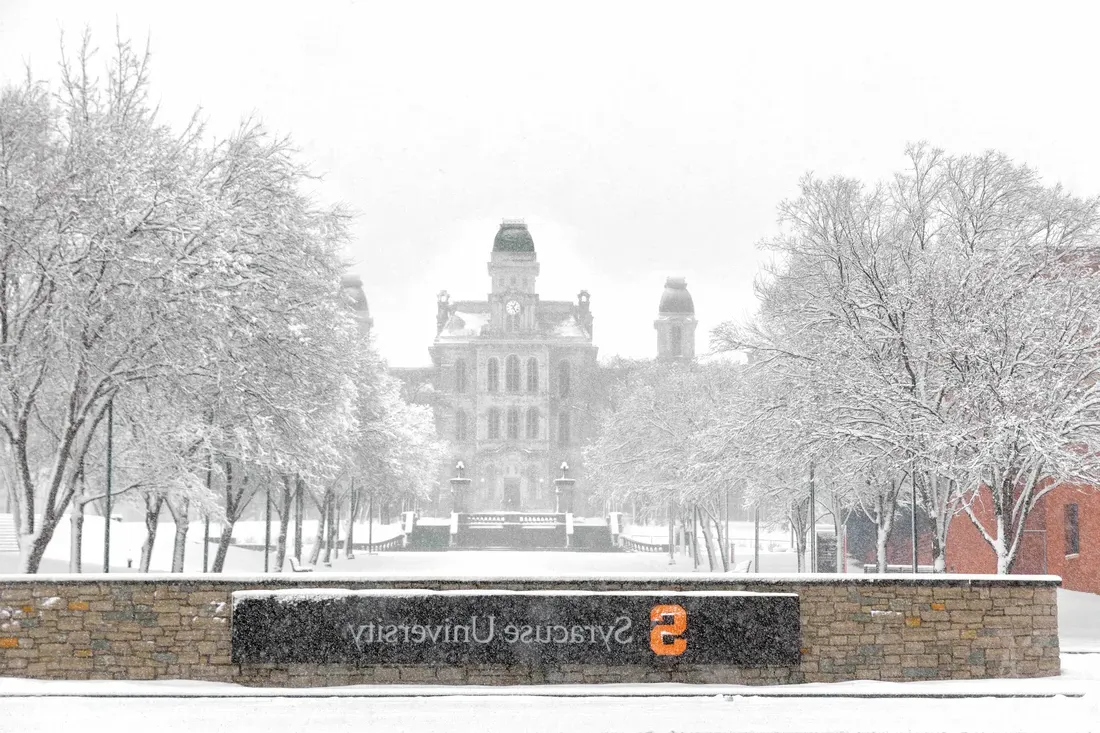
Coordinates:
[508,378]
[513,269]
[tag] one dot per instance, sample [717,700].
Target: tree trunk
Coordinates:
[330,516]
[840,518]
[716,554]
[223,546]
[76,520]
[180,515]
[798,530]
[299,503]
[153,505]
[232,514]
[319,539]
[33,547]
[882,535]
[708,542]
[353,510]
[283,507]
[724,542]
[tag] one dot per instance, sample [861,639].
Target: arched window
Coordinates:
[460,425]
[492,376]
[564,376]
[532,375]
[563,428]
[675,338]
[513,423]
[460,375]
[494,423]
[511,322]
[511,373]
[533,423]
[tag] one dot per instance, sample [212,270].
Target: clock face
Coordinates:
[512,306]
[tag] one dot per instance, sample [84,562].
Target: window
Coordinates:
[511,321]
[494,424]
[513,423]
[460,425]
[533,484]
[533,423]
[563,428]
[460,375]
[532,375]
[1073,538]
[489,482]
[511,373]
[675,341]
[492,376]
[563,379]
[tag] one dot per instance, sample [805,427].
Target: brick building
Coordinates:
[1060,538]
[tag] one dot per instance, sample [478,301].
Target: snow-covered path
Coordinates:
[545,714]
[1072,704]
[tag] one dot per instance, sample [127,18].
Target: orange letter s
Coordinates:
[669,623]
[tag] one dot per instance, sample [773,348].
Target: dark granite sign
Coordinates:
[521,627]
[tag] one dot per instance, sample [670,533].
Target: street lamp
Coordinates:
[110,450]
[563,491]
[460,489]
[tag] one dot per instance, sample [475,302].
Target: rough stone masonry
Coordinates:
[895,627]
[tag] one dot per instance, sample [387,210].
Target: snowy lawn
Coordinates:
[127,538]
[1079,622]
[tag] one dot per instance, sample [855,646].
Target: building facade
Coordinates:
[507,374]
[1060,538]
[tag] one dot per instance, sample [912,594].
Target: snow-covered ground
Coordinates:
[1073,705]
[1079,622]
[741,535]
[127,538]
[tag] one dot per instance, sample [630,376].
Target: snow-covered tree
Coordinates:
[935,329]
[137,257]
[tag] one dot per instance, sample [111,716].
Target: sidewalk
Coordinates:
[1080,676]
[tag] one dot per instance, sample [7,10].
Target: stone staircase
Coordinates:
[8,543]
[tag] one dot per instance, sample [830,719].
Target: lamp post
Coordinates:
[563,491]
[267,529]
[110,449]
[913,514]
[671,536]
[756,541]
[370,522]
[813,522]
[460,490]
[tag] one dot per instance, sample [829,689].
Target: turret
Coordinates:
[675,322]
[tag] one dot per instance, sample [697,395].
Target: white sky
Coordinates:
[637,140]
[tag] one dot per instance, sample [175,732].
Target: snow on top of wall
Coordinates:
[319,594]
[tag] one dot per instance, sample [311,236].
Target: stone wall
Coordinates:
[853,627]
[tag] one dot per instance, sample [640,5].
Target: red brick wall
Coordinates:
[1083,571]
[1042,549]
